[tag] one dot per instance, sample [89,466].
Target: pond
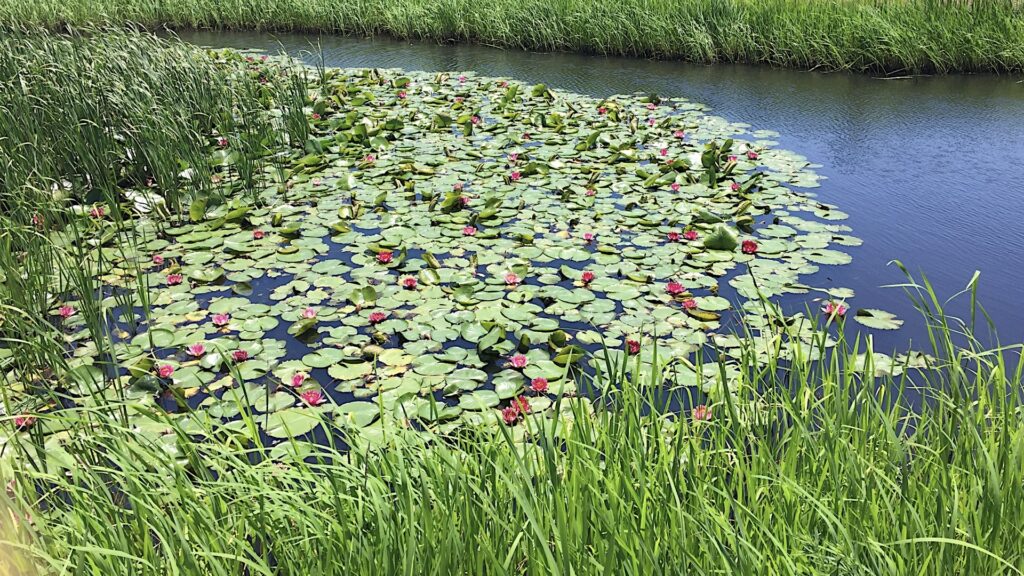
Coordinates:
[928,169]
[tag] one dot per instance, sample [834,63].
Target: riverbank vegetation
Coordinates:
[262,319]
[879,36]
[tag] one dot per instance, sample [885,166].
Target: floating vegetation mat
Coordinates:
[450,249]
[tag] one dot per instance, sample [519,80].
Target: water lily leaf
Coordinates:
[479,400]
[721,238]
[291,423]
[877,319]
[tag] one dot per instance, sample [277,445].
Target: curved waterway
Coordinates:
[930,169]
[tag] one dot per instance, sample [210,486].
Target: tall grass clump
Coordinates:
[838,466]
[888,36]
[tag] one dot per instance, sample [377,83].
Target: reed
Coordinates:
[887,36]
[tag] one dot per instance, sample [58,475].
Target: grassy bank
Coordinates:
[892,36]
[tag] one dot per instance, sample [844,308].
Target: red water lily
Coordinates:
[377,317]
[158,259]
[751,155]
[587,277]
[222,142]
[97,212]
[602,110]
[313,397]
[539,385]
[632,346]
[674,288]
[24,422]
[690,235]
[735,186]
[240,355]
[164,371]
[510,415]
[408,282]
[515,176]
[174,279]
[521,404]
[689,304]
[749,247]
[385,257]
[258,234]
[673,236]
[66,312]
[298,378]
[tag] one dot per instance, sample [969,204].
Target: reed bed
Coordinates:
[882,36]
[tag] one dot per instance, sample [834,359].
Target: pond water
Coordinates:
[929,169]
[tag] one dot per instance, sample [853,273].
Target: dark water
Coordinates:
[931,170]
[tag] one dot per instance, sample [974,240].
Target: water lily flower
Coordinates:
[690,235]
[158,259]
[650,121]
[240,355]
[221,319]
[632,346]
[409,283]
[519,361]
[263,58]
[164,371]
[401,94]
[701,413]
[834,309]
[673,236]
[475,119]
[588,237]
[317,181]
[689,304]
[751,155]
[313,397]
[309,313]
[315,116]
[735,186]
[502,84]
[663,152]
[511,279]
[298,378]
[66,312]
[459,99]
[222,142]
[37,220]
[521,404]
[526,135]
[651,105]
[370,158]
[464,200]
[469,231]
[515,176]
[587,277]
[679,134]
[97,212]
[258,234]
[457,187]
[509,415]
[513,157]
[24,421]
[674,288]
[591,192]
[749,247]
[462,79]
[602,110]
[196,349]
[377,317]
[539,385]
[174,279]
[732,158]
[385,257]
[675,186]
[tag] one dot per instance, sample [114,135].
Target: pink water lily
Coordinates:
[263,58]
[834,309]
[370,158]
[521,404]
[97,212]
[511,279]
[515,176]
[258,234]
[502,84]
[632,346]
[240,355]
[475,119]
[689,304]
[673,236]
[526,135]
[196,349]
[751,155]
[587,277]
[509,415]
[462,79]
[298,378]
[457,187]
[469,231]
[401,94]
[164,371]
[749,247]
[539,385]
[309,313]
[66,312]
[690,235]
[316,181]
[588,237]
[464,200]
[24,421]
[651,105]
[591,192]
[315,116]
[701,413]
[221,319]
[377,317]
[732,158]
[674,288]
[222,142]
[38,220]
[650,121]
[663,152]
[518,361]
[679,134]
[674,186]
[385,257]
[313,397]
[158,259]
[735,186]
[174,279]
[459,99]
[409,283]
[602,110]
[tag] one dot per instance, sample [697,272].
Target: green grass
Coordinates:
[806,468]
[891,36]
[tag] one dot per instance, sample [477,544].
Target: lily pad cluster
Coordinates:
[448,248]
